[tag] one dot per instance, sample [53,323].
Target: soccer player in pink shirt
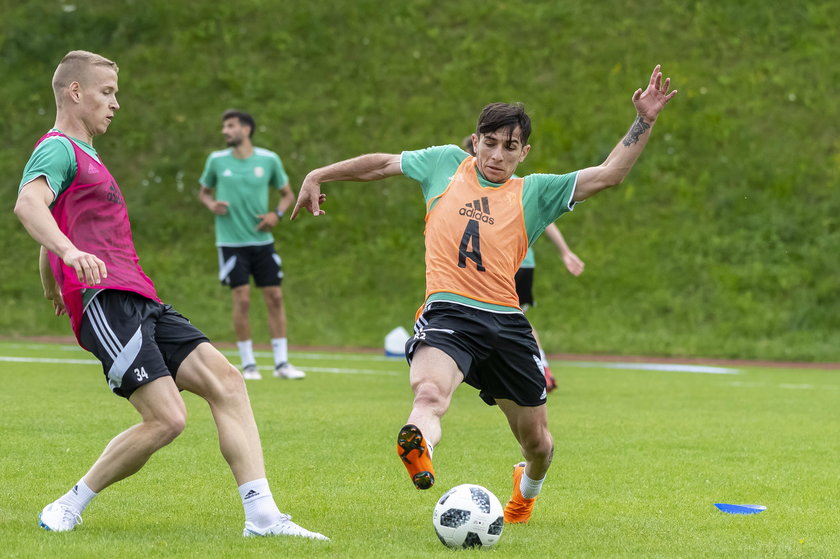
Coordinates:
[71,205]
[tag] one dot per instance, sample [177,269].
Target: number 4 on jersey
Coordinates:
[470,238]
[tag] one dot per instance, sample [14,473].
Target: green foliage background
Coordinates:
[721,243]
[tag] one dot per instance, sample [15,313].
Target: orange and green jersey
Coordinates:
[477,231]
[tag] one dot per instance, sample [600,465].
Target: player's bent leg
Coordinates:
[163,418]
[208,374]
[434,377]
[530,427]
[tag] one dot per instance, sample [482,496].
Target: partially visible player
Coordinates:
[479,224]
[69,202]
[525,275]
[235,188]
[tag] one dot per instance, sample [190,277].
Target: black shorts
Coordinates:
[524,287]
[237,264]
[496,352]
[137,339]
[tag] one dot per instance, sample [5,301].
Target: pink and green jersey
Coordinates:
[91,211]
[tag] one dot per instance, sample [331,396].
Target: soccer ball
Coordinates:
[468,516]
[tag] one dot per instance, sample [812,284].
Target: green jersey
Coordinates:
[243,184]
[544,197]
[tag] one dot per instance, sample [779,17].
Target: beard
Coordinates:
[233,141]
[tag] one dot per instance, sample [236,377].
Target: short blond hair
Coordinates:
[74,68]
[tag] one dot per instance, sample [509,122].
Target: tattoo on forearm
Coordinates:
[638,128]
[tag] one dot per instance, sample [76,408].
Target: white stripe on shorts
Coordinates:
[102,330]
[225,266]
[125,359]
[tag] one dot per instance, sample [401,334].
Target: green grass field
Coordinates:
[641,457]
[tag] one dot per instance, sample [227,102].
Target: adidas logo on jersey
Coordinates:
[93,169]
[478,210]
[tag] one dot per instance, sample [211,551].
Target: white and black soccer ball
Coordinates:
[468,516]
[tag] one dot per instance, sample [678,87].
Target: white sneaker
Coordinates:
[283,528]
[289,371]
[250,372]
[58,517]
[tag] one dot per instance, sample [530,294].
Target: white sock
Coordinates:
[260,508]
[246,352]
[529,487]
[79,497]
[280,347]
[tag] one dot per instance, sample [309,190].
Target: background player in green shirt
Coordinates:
[235,187]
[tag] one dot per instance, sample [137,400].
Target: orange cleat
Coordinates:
[518,509]
[411,446]
[550,382]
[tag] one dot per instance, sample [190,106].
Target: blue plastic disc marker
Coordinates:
[740,509]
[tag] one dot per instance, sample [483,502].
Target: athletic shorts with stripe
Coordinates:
[137,339]
[496,352]
[238,264]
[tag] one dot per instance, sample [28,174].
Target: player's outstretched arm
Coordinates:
[370,167]
[573,264]
[649,103]
[33,210]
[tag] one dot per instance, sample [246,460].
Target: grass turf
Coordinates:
[641,456]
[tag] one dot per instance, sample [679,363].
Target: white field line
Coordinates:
[327,356]
[666,367]
[340,371]
[49,360]
[353,371]
[65,361]
[620,366]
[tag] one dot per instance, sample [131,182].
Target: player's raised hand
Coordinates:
[90,270]
[652,100]
[310,198]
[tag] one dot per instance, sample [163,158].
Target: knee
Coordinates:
[231,380]
[538,445]
[242,305]
[274,298]
[227,385]
[168,427]
[429,394]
